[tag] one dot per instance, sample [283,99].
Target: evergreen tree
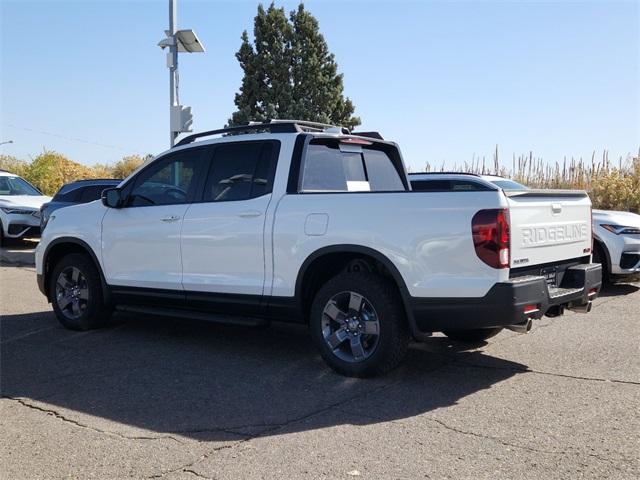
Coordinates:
[289,72]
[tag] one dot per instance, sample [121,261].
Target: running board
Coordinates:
[194,315]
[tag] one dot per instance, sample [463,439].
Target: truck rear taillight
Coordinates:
[490,230]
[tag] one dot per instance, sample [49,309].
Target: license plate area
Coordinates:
[551,276]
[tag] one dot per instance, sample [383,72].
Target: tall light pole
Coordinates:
[8,141]
[180,117]
[172,63]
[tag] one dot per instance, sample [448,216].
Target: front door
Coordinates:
[141,240]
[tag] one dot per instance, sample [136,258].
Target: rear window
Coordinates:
[437,185]
[328,168]
[509,185]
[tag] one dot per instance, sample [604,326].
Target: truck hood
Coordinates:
[29,201]
[616,218]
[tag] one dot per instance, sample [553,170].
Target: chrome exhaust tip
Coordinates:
[524,327]
[584,308]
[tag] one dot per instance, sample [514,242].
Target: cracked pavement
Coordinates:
[172,399]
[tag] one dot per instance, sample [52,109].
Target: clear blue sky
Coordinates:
[446,80]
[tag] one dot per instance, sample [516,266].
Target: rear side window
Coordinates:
[448,186]
[240,171]
[68,195]
[91,193]
[327,168]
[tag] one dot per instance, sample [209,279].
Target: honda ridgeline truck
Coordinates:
[303,222]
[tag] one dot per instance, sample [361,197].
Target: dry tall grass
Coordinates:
[612,186]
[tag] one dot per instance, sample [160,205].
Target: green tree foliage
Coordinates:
[289,72]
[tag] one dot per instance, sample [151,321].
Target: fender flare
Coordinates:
[380,257]
[607,255]
[85,246]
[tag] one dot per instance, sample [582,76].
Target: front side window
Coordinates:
[328,168]
[170,181]
[240,171]
[16,186]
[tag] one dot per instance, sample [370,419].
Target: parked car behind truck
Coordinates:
[20,204]
[616,235]
[303,222]
[73,193]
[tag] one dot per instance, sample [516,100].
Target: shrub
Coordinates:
[50,170]
[126,166]
[13,165]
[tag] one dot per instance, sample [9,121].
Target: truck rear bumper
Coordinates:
[508,303]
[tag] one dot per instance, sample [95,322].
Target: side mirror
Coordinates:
[112,197]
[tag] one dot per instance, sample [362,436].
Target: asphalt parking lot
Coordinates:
[173,399]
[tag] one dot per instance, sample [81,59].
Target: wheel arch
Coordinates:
[59,248]
[603,246]
[327,261]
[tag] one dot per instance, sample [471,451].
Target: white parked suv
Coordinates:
[617,243]
[20,204]
[303,222]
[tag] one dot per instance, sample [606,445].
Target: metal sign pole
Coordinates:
[172,61]
[180,116]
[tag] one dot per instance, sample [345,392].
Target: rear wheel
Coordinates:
[75,290]
[472,336]
[358,324]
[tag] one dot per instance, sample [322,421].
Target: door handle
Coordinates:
[171,218]
[250,214]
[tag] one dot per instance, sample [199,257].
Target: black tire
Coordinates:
[472,336]
[93,312]
[2,239]
[600,257]
[391,339]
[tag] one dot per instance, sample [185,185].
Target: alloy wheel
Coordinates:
[72,292]
[350,326]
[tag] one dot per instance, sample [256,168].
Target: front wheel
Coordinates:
[76,293]
[358,324]
[472,336]
[600,257]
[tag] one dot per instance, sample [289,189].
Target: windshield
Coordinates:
[16,186]
[509,185]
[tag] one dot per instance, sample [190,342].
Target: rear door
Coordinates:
[222,238]
[548,226]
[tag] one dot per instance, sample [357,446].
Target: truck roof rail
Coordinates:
[272,126]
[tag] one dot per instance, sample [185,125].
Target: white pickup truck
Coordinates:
[303,222]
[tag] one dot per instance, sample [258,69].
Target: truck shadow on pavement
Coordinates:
[213,382]
[616,289]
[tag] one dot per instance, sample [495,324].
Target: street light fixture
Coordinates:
[8,141]
[180,116]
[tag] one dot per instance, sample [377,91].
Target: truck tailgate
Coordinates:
[548,225]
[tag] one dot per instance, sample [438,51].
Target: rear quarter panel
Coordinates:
[426,235]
